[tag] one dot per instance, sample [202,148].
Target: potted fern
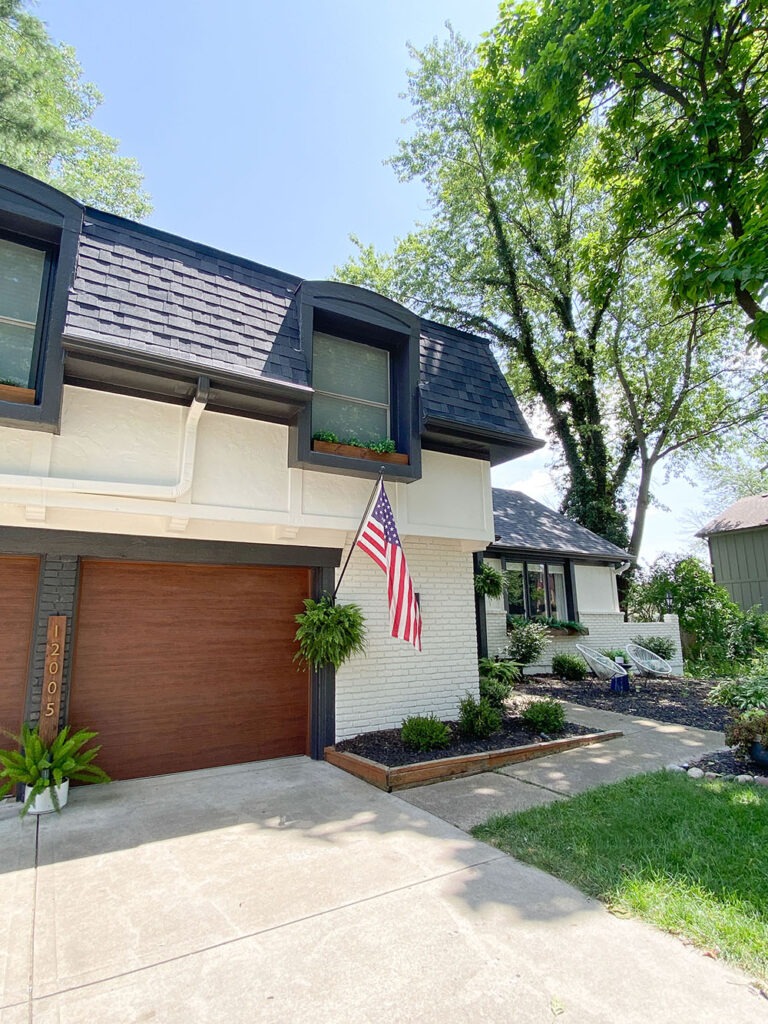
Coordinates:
[329,633]
[46,769]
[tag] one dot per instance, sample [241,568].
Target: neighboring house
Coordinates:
[738,550]
[559,569]
[159,487]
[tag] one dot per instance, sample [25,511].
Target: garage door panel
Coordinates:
[188,666]
[18,598]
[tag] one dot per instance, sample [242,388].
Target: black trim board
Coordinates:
[19,540]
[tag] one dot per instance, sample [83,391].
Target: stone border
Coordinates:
[699,773]
[425,772]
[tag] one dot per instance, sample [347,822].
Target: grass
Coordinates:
[690,857]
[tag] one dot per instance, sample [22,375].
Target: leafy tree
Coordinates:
[580,316]
[737,471]
[678,89]
[45,115]
[715,631]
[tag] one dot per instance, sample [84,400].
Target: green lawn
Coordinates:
[690,857]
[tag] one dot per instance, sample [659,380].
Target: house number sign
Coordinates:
[52,675]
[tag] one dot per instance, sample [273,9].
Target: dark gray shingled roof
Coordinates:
[143,290]
[527,525]
[745,514]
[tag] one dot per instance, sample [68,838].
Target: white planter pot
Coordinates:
[43,804]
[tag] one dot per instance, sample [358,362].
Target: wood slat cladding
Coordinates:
[18,596]
[184,666]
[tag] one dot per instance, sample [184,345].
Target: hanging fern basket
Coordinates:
[328,633]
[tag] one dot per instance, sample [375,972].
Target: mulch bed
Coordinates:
[386,748]
[725,762]
[673,699]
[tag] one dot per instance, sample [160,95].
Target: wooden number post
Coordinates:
[52,674]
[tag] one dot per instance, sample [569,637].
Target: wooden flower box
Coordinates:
[351,451]
[11,393]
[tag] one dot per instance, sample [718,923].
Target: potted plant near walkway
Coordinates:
[45,770]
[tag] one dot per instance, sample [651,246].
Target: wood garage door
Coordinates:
[189,666]
[18,596]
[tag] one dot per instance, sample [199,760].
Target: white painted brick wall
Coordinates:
[610,631]
[393,680]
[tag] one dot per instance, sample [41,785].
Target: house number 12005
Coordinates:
[54,660]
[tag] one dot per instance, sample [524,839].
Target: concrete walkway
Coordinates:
[288,891]
[645,746]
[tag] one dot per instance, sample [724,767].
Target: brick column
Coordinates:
[56,595]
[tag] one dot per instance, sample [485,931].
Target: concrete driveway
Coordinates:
[287,890]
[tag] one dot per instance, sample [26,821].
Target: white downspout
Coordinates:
[163,492]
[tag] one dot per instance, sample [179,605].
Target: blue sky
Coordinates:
[262,129]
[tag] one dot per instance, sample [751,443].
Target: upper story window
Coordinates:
[23,279]
[39,235]
[362,353]
[352,389]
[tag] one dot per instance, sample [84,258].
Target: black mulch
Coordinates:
[725,762]
[677,700]
[386,748]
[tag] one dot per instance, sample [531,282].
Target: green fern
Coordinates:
[328,633]
[41,766]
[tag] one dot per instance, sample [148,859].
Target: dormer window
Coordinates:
[362,354]
[351,382]
[23,279]
[39,234]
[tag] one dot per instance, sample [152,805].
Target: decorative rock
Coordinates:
[744,778]
[695,773]
[711,775]
[761,780]
[674,768]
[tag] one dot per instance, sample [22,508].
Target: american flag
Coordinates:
[380,540]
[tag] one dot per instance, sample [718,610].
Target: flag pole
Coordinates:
[359,530]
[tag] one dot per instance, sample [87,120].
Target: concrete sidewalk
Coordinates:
[645,746]
[288,890]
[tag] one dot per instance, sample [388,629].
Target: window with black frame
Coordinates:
[23,277]
[537,589]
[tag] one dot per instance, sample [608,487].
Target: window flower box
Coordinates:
[351,451]
[13,393]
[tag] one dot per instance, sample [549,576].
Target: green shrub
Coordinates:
[614,652]
[716,633]
[569,666]
[544,716]
[746,729]
[506,671]
[661,646]
[495,691]
[478,719]
[526,641]
[740,694]
[425,732]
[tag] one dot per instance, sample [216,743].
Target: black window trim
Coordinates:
[568,572]
[357,314]
[36,214]
[44,301]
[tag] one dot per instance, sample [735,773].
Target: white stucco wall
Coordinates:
[240,486]
[596,590]
[394,680]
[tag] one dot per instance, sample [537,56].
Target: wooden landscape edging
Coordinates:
[424,772]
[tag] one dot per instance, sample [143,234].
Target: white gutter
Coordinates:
[163,492]
[621,569]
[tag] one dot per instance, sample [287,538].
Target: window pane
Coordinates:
[17,346]
[349,368]
[350,419]
[536,590]
[515,599]
[21,275]
[558,606]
